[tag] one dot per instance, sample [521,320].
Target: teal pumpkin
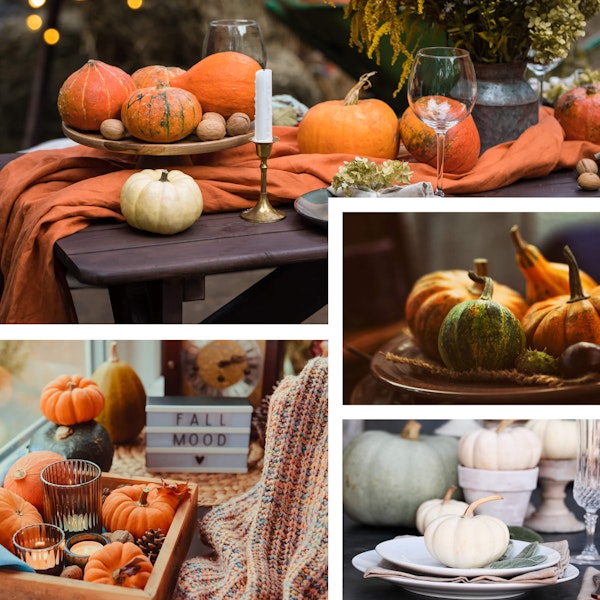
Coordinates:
[480,333]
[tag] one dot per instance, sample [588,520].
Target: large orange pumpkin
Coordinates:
[154,75]
[161,114]
[15,512]
[462,144]
[434,294]
[223,82]
[92,94]
[578,111]
[366,128]
[118,563]
[71,399]
[23,477]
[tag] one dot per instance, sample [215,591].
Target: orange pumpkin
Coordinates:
[15,512]
[161,114]
[92,94]
[71,399]
[462,144]
[223,82]
[556,323]
[578,111]
[139,507]
[366,128]
[23,477]
[434,294]
[154,75]
[118,563]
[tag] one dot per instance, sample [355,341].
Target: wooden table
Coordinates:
[149,276]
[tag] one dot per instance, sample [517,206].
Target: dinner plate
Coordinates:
[411,553]
[314,206]
[456,591]
[408,378]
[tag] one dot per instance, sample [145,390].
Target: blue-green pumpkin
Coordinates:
[480,333]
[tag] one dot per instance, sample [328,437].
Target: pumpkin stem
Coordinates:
[164,176]
[448,494]
[362,83]
[143,499]
[114,357]
[474,505]
[488,285]
[19,474]
[63,432]
[71,385]
[574,277]
[480,266]
[411,431]
[515,234]
[504,424]
[129,570]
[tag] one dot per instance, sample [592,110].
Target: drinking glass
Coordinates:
[540,70]
[441,91]
[235,35]
[586,487]
[41,546]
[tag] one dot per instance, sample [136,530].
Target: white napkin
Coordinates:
[588,585]
[413,190]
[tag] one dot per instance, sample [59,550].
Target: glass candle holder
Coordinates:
[41,546]
[72,496]
[81,546]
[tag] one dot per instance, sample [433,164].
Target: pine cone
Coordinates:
[151,543]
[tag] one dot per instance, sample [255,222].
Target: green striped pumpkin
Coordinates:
[161,114]
[480,333]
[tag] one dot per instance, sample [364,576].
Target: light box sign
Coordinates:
[197,434]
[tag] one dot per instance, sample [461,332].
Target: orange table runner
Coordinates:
[49,194]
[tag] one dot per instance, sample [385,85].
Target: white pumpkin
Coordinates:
[558,436]
[436,507]
[387,476]
[161,201]
[468,541]
[505,448]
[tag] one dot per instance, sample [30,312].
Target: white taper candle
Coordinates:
[263,106]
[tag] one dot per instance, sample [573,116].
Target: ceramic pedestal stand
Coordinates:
[552,515]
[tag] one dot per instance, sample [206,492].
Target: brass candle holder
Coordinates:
[262,211]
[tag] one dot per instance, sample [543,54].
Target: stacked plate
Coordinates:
[408,555]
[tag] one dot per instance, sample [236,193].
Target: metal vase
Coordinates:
[506,104]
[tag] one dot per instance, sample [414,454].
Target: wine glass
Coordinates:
[586,487]
[441,91]
[235,35]
[540,70]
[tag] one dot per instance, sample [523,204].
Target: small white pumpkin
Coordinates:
[161,201]
[505,448]
[468,541]
[431,509]
[559,438]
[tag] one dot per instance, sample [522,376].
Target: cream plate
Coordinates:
[411,553]
[455,591]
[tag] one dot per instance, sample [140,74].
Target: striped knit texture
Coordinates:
[271,542]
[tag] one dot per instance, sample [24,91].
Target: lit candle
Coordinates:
[263,107]
[85,548]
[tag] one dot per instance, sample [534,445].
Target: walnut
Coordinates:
[589,181]
[238,124]
[121,535]
[112,129]
[72,572]
[210,129]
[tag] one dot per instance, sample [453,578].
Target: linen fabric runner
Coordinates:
[48,194]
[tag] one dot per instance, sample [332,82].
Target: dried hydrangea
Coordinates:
[364,173]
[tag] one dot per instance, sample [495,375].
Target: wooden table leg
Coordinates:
[289,294]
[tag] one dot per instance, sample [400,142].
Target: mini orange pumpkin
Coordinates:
[15,512]
[119,563]
[23,477]
[223,82]
[578,111]
[366,128]
[92,94]
[71,399]
[161,114]
[139,507]
[462,145]
[556,323]
[154,75]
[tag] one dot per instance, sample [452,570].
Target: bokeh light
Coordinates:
[37,3]
[51,36]
[134,4]
[34,22]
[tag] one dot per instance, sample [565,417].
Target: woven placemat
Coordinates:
[213,488]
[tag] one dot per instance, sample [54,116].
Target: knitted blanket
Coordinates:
[271,543]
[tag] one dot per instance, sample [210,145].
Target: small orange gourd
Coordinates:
[365,128]
[556,323]
[15,512]
[223,82]
[118,563]
[154,75]
[544,279]
[23,477]
[71,399]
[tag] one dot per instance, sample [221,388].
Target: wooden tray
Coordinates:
[129,145]
[17,584]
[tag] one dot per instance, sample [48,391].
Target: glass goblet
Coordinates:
[441,91]
[540,70]
[586,487]
[235,35]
